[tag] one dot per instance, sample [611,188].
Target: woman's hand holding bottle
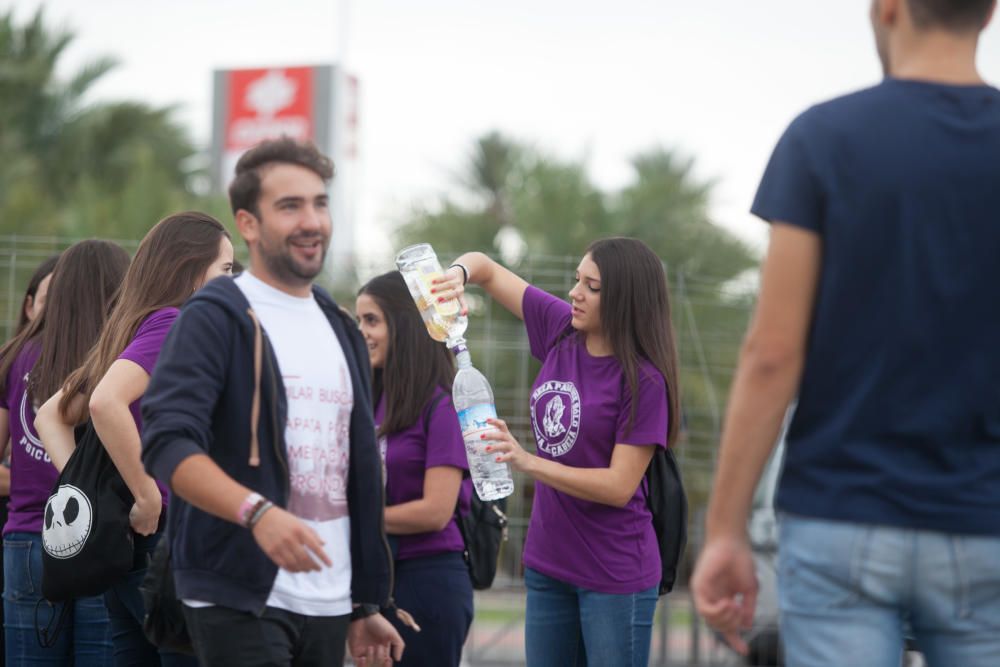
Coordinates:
[506,447]
[451,285]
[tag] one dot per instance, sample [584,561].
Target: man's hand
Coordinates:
[724,586]
[288,541]
[374,642]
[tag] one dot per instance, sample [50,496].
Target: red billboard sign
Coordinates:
[268,103]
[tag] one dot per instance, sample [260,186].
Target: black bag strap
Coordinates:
[47,636]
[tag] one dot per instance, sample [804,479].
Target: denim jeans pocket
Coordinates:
[18,580]
[820,563]
[976,578]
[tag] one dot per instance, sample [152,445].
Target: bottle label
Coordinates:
[473,420]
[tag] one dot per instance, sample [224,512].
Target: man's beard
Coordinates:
[283,266]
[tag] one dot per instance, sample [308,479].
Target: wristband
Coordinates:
[364,610]
[258,513]
[247,508]
[465,272]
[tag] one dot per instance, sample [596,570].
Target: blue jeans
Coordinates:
[85,638]
[437,590]
[848,592]
[126,611]
[572,626]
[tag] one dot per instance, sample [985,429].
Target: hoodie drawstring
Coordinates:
[258,352]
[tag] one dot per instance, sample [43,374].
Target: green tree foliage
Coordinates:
[77,168]
[557,210]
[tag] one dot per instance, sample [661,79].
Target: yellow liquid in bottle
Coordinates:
[436,330]
[447,309]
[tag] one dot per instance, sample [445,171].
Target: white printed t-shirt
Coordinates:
[320,399]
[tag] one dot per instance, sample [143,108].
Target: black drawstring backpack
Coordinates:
[483,530]
[86,537]
[667,502]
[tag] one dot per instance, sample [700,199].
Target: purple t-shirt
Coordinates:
[580,407]
[144,349]
[32,474]
[433,440]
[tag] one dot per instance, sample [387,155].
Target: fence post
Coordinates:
[11,292]
[664,630]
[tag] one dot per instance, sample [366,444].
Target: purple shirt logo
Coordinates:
[555,416]
[32,445]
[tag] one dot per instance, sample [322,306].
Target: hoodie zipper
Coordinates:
[390,603]
[404,616]
[275,438]
[275,433]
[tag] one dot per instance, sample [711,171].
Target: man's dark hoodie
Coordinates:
[217,390]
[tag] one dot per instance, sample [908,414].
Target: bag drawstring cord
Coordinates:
[45,639]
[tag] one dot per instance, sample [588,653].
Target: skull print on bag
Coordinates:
[68,517]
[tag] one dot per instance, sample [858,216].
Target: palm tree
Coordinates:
[66,160]
[36,106]
[492,165]
[667,207]
[558,210]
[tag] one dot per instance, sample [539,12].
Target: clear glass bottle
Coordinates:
[444,321]
[473,398]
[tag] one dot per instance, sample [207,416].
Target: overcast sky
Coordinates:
[718,81]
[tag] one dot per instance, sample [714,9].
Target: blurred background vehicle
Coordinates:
[764,638]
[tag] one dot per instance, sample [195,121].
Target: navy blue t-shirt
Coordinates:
[898,417]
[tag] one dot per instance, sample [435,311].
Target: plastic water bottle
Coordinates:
[473,400]
[444,321]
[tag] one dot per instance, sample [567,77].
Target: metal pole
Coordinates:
[664,630]
[11,292]
[344,19]
[695,634]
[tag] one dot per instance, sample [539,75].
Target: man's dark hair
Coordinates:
[244,191]
[955,15]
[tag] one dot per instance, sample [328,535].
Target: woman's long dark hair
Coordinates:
[635,316]
[415,364]
[43,269]
[83,287]
[168,267]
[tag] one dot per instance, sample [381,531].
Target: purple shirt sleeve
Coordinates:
[145,346]
[546,318]
[445,446]
[650,425]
